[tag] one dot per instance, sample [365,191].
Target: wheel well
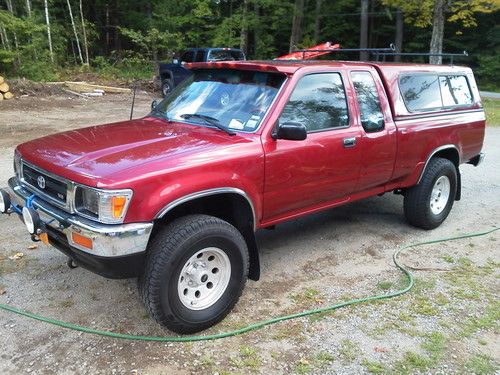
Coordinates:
[166,75]
[230,207]
[450,154]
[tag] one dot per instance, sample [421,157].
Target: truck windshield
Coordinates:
[235,99]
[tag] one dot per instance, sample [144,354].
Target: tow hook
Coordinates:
[71,263]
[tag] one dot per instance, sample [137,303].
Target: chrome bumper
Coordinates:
[108,240]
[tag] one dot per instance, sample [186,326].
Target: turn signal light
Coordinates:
[81,240]
[117,206]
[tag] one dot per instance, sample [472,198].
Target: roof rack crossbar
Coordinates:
[375,51]
[445,54]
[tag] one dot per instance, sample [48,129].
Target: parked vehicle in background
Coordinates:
[174,73]
[175,198]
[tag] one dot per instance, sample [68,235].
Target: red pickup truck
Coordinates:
[175,198]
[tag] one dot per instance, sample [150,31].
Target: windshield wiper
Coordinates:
[162,114]
[209,120]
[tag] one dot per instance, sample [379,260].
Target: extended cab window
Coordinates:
[187,57]
[420,92]
[200,56]
[372,118]
[455,90]
[318,102]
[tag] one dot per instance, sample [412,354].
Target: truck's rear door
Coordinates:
[378,141]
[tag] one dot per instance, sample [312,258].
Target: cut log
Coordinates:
[87,87]
[4,87]
[1,80]
[8,95]
[1,96]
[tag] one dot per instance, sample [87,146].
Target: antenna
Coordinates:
[133,100]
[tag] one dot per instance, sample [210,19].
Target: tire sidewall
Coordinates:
[449,171]
[169,297]
[164,84]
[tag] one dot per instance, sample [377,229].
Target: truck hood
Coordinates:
[99,155]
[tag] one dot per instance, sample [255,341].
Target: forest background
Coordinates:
[50,40]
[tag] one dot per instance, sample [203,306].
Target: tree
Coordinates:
[49,36]
[363,30]
[74,32]
[298,13]
[424,13]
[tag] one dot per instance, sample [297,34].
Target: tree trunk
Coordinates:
[399,34]
[363,34]
[5,39]
[436,45]
[244,28]
[28,8]
[85,44]
[317,21]
[48,30]
[16,43]
[298,14]
[74,32]
[256,33]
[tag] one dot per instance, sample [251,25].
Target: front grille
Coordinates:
[46,184]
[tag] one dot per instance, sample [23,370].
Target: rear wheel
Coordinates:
[196,270]
[166,86]
[427,204]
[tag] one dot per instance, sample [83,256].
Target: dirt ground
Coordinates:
[449,323]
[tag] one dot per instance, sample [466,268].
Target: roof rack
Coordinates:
[450,55]
[374,51]
[383,52]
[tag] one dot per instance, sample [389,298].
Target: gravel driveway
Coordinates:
[447,324]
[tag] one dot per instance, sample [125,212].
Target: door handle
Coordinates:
[349,142]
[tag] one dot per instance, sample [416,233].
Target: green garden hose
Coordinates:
[253,326]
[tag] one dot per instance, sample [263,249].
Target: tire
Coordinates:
[427,204]
[196,270]
[166,86]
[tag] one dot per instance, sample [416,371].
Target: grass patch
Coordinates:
[492,109]
[481,364]
[488,320]
[385,285]
[349,350]
[422,305]
[308,295]
[435,344]
[248,358]
[411,363]
[303,367]
[374,367]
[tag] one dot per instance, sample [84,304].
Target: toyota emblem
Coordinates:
[41,182]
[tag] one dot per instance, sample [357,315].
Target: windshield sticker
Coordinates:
[236,124]
[252,123]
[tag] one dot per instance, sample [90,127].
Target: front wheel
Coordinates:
[427,204]
[196,270]
[166,86]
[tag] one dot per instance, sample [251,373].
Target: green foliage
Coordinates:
[481,364]
[126,38]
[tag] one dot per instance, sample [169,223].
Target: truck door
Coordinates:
[315,173]
[378,143]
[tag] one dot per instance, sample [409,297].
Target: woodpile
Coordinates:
[4,90]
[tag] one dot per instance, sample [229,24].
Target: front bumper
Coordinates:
[111,244]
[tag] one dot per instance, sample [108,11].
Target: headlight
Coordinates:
[17,164]
[108,207]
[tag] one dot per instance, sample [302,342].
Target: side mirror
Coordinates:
[155,103]
[292,131]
